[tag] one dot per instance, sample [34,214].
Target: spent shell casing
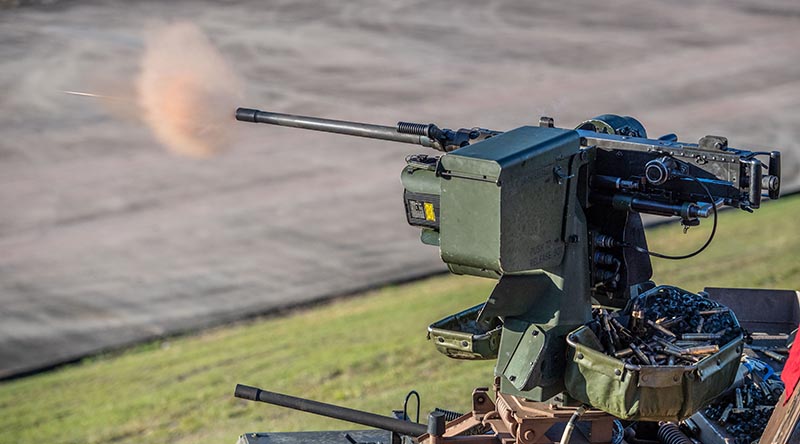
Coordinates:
[700,325]
[702,350]
[621,330]
[775,387]
[661,329]
[784,350]
[739,400]
[624,353]
[764,388]
[603,315]
[670,322]
[677,353]
[615,338]
[701,336]
[671,360]
[636,319]
[726,413]
[667,345]
[713,311]
[640,354]
[774,356]
[684,344]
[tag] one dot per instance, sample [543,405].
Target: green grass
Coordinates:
[365,352]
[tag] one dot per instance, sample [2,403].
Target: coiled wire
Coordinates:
[669,433]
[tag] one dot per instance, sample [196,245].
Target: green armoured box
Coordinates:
[647,392]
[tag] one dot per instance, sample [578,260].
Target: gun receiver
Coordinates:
[554,215]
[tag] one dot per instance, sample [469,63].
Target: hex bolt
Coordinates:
[436,423]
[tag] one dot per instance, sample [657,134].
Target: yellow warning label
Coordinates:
[429,213]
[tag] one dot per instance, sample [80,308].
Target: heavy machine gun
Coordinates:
[555,216]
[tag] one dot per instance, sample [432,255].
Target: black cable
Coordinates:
[405,405]
[694,253]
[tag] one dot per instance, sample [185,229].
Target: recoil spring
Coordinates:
[669,433]
[419,129]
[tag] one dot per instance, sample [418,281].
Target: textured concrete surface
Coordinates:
[107,239]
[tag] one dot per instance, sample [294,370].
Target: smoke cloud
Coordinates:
[186,91]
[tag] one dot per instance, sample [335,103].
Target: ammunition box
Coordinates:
[646,392]
[459,336]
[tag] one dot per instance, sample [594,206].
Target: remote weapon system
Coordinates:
[575,326]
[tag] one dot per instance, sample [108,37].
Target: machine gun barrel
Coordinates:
[332,411]
[338,126]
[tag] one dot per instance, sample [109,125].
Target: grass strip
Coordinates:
[363,352]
